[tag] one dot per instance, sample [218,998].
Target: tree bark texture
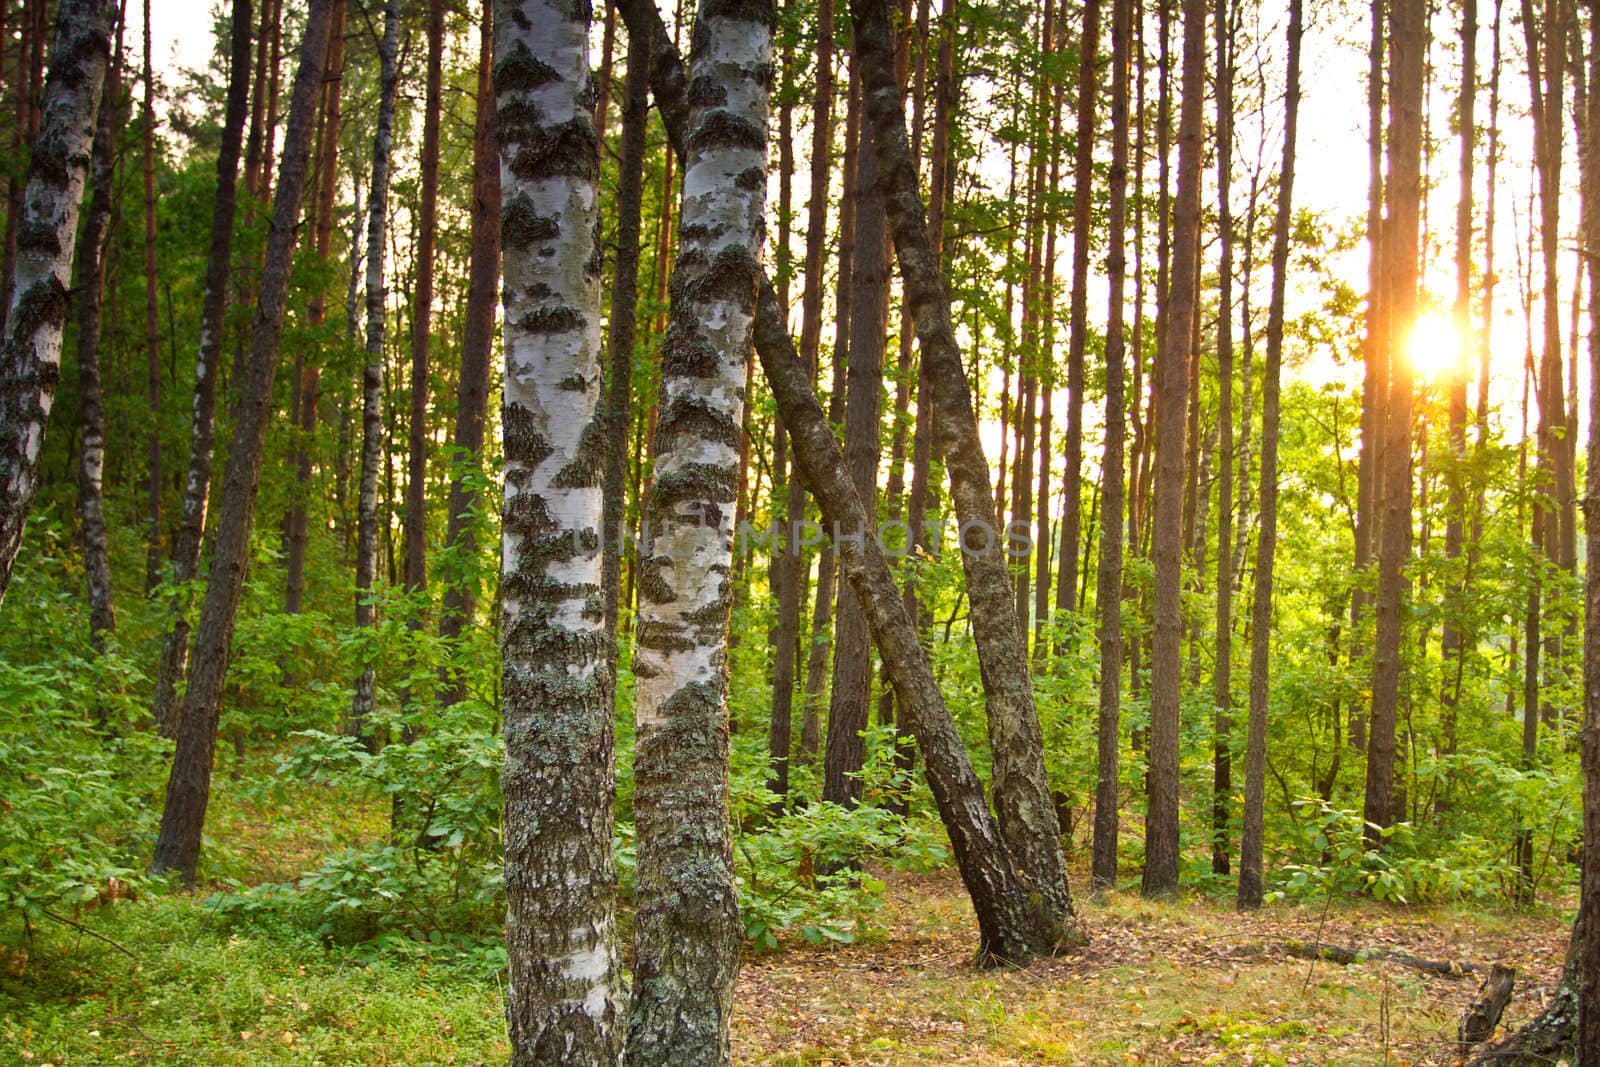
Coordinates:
[564,1001]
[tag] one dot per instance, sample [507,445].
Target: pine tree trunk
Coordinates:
[1222,676]
[686,928]
[852,655]
[1453,645]
[1408,42]
[1255,770]
[152,333]
[91,289]
[1587,928]
[1078,322]
[47,231]
[791,563]
[416,516]
[1171,412]
[372,436]
[1022,794]
[1375,361]
[189,785]
[1108,590]
[564,1001]
[202,433]
[459,604]
[307,374]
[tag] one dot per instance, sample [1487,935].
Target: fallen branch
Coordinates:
[1483,1014]
[1317,950]
[82,929]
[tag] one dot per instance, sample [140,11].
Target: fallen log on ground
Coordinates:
[1317,950]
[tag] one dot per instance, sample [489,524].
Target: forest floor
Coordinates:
[1157,984]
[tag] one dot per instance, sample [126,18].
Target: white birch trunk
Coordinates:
[47,232]
[564,999]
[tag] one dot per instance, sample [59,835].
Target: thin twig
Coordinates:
[78,926]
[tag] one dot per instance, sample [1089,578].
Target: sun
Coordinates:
[1435,346]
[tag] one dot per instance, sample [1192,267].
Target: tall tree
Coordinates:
[189,784]
[1407,36]
[91,290]
[1587,927]
[1108,591]
[477,344]
[1171,412]
[790,572]
[152,332]
[416,514]
[1222,675]
[372,438]
[686,927]
[307,374]
[1028,819]
[565,994]
[202,428]
[1078,313]
[47,233]
[869,307]
[1255,771]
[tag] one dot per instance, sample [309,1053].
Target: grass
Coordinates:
[1158,984]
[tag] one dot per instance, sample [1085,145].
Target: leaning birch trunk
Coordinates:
[686,929]
[47,232]
[92,454]
[372,442]
[1012,926]
[202,432]
[564,999]
[1021,788]
[189,784]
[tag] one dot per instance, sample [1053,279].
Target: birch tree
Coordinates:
[686,929]
[564,999]
[372,437]
[47,233]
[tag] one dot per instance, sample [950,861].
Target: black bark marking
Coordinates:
[521,225]
[524,443]
[567,150]
[723,129]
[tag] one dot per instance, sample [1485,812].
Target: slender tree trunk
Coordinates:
[202,433]
[1161,820]
[477,346]
[189,785]
[822,613]
[1027,815]
[91,290]
[1255,770]
[1222,676]
[1408,43]
[47,231]
[624,312]
[1078,321]
[1011,922]
[1108,590]
[1453,645]
[307,374]
[1586,930]
[152,332]
[686,928]
[790,569]
[416,520]
[852,656]
[372,436]
[564,1002]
